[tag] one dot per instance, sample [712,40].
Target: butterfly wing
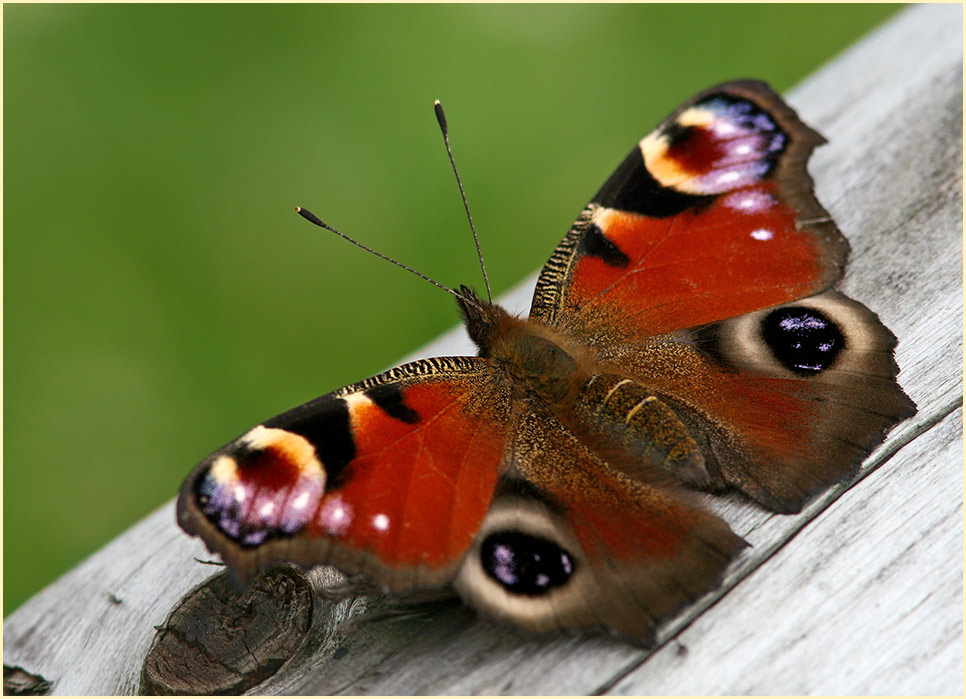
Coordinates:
[390,477]
[712,219]
[782,402]
[571,542]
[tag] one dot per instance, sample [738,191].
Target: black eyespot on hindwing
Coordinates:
[803,340]
[525,564]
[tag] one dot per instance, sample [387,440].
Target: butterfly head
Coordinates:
[484,321]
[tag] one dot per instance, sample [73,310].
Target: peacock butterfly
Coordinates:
[684,334]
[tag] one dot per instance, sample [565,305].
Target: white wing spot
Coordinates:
[380,522]
[301,501]
[336,516]
[753,201]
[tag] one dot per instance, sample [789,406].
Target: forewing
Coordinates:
[390,477]
[710,216]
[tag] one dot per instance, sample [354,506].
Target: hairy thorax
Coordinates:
[552,372]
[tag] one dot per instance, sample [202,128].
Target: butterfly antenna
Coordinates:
[312,218]
[441,118]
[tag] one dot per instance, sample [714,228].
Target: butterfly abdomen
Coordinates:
[625,417]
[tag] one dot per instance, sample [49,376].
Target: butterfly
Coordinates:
[685,335]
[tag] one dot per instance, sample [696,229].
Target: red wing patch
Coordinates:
[741,251]
[399,469]
[706,219]
[417,492]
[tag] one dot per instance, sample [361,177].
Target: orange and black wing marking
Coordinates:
[390,477]
[710,216]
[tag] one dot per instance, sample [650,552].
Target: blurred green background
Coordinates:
[161,296]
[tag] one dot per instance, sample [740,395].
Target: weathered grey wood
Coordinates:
[872,615]
[860,593]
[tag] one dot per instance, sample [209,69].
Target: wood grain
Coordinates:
[860,593]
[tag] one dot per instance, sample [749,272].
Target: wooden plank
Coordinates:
[843,608]
[832,600]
